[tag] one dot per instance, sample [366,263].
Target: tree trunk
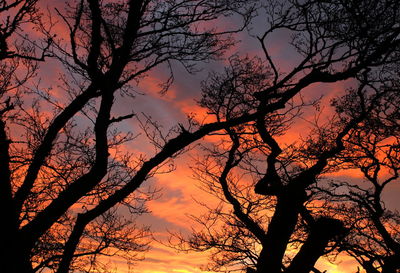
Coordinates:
[14,257]
[391,264]
[321,232]
[280,229]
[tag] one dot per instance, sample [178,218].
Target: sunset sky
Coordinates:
[178,190]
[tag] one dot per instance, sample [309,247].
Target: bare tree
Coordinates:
[373,150]
[326,35]
[18,59]
[64,177]
[282,228]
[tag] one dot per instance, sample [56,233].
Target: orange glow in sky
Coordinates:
[178,190]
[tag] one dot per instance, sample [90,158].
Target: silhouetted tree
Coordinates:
[330,36]
[373,150]
[18,58]
[63,169]
[245,235]
[67,172]
[239,229]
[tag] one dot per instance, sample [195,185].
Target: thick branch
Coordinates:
[47,144]
[251,225]
[46,218]
[270,183]
[321,232]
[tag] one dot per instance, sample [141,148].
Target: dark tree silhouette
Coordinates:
[330,36]
[373,149]
[18,57]
[66,177]
[287,218]
[63,177]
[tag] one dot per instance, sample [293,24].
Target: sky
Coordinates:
[178,189]
[170,212]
